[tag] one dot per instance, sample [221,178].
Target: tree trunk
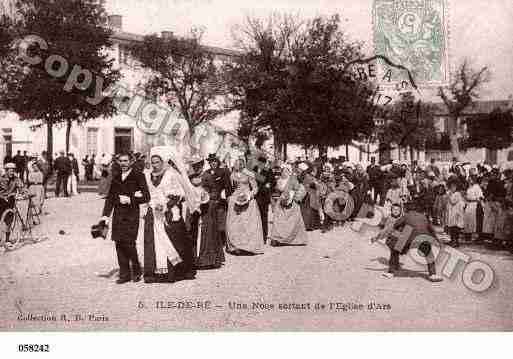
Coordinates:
[68,133]
[398,153]
[49,141]
[277,146]
[323,151]
[411,155]
[453,134]
[284,151]
[347,152]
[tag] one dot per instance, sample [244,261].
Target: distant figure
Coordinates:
[7,159]
[18,161]
[45,167]
[26,160]
[92,163]
[64,170]
[73,178]
[85,164]
[35,186]
[433,168]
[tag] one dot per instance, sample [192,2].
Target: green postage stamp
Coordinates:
[413,34]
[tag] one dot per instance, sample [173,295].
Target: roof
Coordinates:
[477,108]
[127,37]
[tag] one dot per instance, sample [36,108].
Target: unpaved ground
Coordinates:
[73,275]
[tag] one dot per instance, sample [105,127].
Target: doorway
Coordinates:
[123,139]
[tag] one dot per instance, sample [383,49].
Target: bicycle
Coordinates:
[14,228]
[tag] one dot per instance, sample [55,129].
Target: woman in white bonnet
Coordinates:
[168,257]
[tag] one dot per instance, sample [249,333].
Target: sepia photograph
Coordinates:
[268,166]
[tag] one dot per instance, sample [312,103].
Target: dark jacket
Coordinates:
[416,227]
[375,174]
[63,165]
[215,181]
[125,219]
[266,182]
[19,161]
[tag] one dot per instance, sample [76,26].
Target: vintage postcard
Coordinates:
[222,165]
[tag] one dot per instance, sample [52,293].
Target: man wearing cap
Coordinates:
[10,185]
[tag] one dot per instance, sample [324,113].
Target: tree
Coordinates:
[493,131]
[259,78]
[408,124]
[11,68]
[292,80]
[79,36]
[183,74]
[461,94]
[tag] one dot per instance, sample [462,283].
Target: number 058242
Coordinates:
[34,348]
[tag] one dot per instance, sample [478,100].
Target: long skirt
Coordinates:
[502,228]
[244,230]
[72,185]
[38,191]
[310,214]
[160,256]
[473,218]
[489,218]
[358,195]
[288,227]
[212,238]
[183,244]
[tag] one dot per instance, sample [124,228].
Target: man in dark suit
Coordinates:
[127,191]
[375,178]
[266,182]
[64,169]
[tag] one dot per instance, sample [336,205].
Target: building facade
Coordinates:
[472,155]
[101,135]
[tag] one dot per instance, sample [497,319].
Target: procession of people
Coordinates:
[194,213]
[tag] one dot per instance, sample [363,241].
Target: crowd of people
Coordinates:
[193,213]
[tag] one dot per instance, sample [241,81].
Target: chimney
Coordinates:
[116,22]
[167,34]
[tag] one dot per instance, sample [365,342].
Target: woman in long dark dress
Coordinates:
[213,216]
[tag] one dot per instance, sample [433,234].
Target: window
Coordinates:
[123,139]
[92,140]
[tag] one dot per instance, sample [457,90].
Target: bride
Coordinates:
[168,257]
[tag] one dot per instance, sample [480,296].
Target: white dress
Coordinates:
[164,249]
[474,195]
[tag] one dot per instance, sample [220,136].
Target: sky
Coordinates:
[479,30]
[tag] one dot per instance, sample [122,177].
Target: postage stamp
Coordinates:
[413,34]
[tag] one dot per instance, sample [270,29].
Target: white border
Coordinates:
[260,345]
